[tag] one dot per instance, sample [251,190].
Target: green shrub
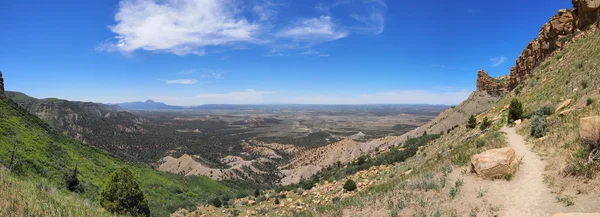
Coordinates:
[350,185]
[299,191]
[472,123]
[256,193]
[260,198]
[545,110]
[515,112]
[480,143]
[71,180]
[122,195]
[584,84]
[589,101]
[216,202]
[486,123]
[538,126]
[276,200]
[361,160]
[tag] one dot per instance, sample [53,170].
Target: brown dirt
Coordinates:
[526,194]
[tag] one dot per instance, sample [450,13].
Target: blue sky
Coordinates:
[191,52]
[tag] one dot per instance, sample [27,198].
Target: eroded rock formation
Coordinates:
[564,27]
[490,85]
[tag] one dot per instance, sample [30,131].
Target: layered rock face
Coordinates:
[1,83]
[562,28]
[586,11]
[490,85]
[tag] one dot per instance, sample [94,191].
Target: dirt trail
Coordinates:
[526,194]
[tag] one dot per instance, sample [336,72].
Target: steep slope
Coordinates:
[558,67]
[98,124]
[26,198]
[41,154]
[558,70]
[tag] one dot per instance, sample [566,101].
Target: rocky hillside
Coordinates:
[90,123]
[556,78]
[35,152]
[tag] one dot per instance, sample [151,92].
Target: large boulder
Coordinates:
[589,130]
[495,163]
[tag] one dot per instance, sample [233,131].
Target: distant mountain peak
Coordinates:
[150,101]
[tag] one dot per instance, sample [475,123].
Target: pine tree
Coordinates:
[472,123]
[515,112]
[71,179]
[122,195]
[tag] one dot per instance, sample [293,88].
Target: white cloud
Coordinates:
[182,81]
[368,14]
[266,10]
[313,30]
[497,61]
[193,27]
[180,27]
[314,52]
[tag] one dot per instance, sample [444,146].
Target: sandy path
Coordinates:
[526,194]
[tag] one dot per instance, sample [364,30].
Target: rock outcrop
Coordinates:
[586,11]
[495,163]
[589,130]
[1,84]
[492,86]
[565,27]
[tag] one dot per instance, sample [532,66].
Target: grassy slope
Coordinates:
[44,155]
[25,198]
[569,74]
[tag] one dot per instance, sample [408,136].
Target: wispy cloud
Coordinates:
[186,72]
[368,14]
[314,52]
[191,27]
[182,81]
[212,73]
[497,61]
[313,30]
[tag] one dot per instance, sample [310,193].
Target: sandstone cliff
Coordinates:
[563,28]
[494,87]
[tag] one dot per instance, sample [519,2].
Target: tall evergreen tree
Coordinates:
[472,123]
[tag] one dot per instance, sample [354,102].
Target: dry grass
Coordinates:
[24,198]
